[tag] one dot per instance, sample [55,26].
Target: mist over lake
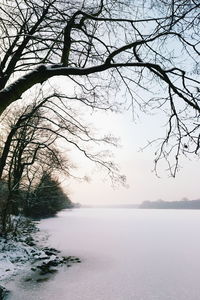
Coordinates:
[126,254]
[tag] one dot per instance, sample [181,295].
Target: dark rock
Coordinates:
[53,271]
[50,251]
[54,263]
[28,279]
[71,259]
[48,271]
[42,258]
[44,272]
[31,244]
[30,241]
[46,267]
[42,279]
[65,258]
[3,292]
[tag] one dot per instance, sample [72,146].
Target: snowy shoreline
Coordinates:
[16,254]
[29,253]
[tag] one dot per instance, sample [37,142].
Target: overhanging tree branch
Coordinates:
[105,46]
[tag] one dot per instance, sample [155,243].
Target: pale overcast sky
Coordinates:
[136,165]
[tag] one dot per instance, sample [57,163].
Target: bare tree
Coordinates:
[35,134]
[30,150]
[133,46]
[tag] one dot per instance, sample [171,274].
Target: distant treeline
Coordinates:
[182,204]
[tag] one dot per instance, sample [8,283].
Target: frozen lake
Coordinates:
[127,254]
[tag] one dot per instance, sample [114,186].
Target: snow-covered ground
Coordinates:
[14,256]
